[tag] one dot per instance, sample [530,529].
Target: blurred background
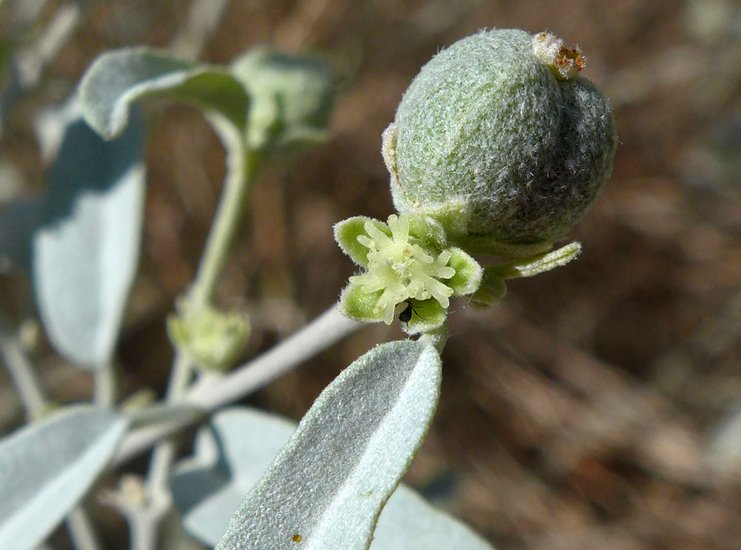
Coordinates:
[599,406]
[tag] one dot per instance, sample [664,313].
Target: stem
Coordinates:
[324,331]
[81,529]
[241,167]
[164,453]
[22,373]
[321,333]
[106,385]
[437,337]
[240,170]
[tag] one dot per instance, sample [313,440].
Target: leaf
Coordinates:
[328,485]
[235,452]
[86,247]
[409,523]
[229,459]
[117,79]
[45,468]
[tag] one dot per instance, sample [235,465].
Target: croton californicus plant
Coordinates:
[498,147]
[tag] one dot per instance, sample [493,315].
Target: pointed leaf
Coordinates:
[86,248]
[232,455]
[117,79]
[45,468]
[328,485]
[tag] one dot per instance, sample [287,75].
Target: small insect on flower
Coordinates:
[405,315]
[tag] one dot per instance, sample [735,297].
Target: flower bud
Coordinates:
[291,98]
[500,140]
[214,340]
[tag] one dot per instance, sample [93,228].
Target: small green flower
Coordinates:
[407,266]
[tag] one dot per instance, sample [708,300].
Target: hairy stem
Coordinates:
[312,339]
[81,529]
[22,373]
[321,333]
[106,384]
[240,170]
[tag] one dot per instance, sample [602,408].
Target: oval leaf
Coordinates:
[117,79]
[86,247]
[328,485]
[45,468]
[235,452]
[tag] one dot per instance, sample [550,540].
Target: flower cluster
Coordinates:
[405,265]
[400,269]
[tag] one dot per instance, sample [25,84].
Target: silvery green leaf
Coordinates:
[45,468]
[236,450]
[409,523]
[86,247]
[329,483]
[117,79]
[229,459]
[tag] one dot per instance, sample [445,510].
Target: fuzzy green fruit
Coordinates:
[499,140]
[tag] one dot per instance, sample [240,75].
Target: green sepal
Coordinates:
[429,231]
[346,234]
[427,315]
[490,292]
[468,273]
[360,305]
[540,263]
[452,215]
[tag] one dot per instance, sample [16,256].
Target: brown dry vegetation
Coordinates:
[578,414]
